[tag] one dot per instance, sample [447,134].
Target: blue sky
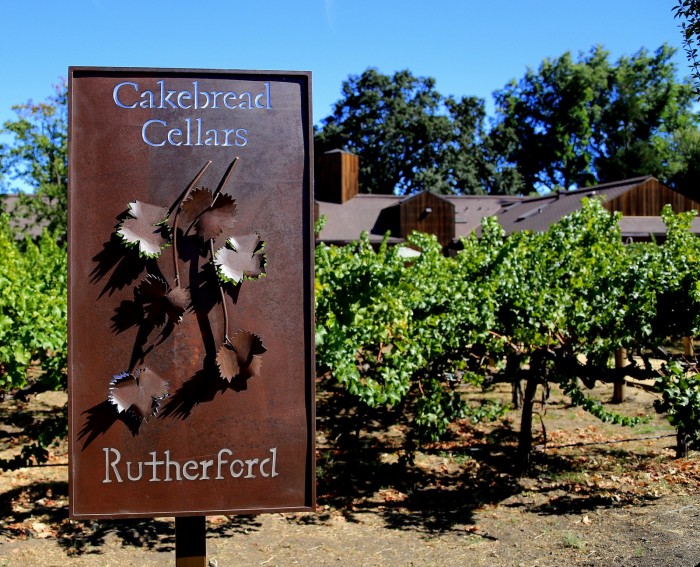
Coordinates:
[471,47]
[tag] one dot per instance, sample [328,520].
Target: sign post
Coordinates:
[191,361]
[190,541]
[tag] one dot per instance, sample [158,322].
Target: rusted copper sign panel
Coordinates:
[191,310]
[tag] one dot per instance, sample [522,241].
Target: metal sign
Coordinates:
[191,359]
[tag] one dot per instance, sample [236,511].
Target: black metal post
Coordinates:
[191,541]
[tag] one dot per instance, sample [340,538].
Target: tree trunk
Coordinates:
[517,394]
[681,444]
[525,439]
[513,372]
[619,385]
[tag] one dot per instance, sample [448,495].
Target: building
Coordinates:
[451,217]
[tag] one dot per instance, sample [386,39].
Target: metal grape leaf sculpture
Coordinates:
[161,301]
[244,258]
[211,214]
[240,356]
[145,228]
[195,204]
[138,392]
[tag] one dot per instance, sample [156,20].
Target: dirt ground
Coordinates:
[598,495]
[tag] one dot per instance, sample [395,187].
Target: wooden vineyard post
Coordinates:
[190,541]
[619,385]
[688,347]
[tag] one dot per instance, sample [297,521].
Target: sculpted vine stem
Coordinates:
[222,184]
[221,292]
[176,222]
[224,179]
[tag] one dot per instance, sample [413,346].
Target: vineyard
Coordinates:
[33,338]
[404,340]
[409,339]
[440,379]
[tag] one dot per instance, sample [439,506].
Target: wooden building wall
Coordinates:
[427,212]
[648,198]
[336,177]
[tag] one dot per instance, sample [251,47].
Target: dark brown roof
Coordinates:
[639,228]
[470,209]
[539,213]
[345,222]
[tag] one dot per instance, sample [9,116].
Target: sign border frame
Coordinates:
[74,72]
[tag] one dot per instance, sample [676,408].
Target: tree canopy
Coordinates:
[577,122]
[37,158]
[688,12]
[572,122]
[408,136]
[394,123]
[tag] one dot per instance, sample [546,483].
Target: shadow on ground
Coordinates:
[78,538]
[441,487]
[42,506]
[364,468]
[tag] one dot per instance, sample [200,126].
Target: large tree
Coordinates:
[644,109]
[575,122]
[544,121]
[471,164]
[36,159]
[688,12]
[396,125]
[409,137]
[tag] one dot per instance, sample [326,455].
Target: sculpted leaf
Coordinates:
[211,218]
[241,356]
[152,287]
[139,392]
[243,258]
[178,300]
[145,228]
[198,201]
[161,302]
[219,219]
